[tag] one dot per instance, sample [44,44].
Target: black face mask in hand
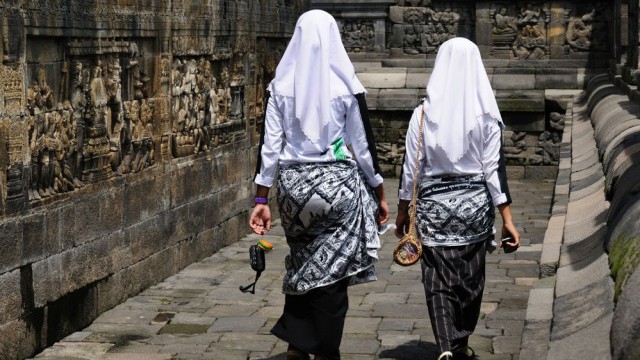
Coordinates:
[256,258]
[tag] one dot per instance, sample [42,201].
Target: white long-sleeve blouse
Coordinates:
[283,141]
[483,157]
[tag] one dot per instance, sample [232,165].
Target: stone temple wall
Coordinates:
[537,54]
[128,133]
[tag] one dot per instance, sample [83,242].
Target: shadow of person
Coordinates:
[410,351]
[281,356]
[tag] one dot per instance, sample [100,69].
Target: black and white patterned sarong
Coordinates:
[328,214]
[454,211]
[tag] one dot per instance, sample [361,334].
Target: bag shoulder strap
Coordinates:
[414,197]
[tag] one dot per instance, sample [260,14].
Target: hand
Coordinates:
[383,212]
[260,220]
[402,224]
[508,229]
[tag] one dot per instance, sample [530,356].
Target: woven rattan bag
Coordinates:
[408,250]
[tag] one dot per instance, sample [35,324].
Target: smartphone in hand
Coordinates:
[508,245]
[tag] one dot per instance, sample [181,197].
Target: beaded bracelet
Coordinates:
[260,200]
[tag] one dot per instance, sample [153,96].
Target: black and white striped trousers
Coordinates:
[453,278]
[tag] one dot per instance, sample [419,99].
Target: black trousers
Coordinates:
[313,322]
[453,278]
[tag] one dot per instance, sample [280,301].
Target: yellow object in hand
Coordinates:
[265,245]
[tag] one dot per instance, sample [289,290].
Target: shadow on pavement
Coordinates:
[411,351]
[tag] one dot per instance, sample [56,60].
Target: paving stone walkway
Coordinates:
[200,313]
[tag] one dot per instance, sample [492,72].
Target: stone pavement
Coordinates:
[200,313]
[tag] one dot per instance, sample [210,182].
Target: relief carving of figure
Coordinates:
[214,106]
[504,24]
[529,44]
[429,39]
[579,35]
[529,15]
[200,132]
[410,40]
[413,16]
[224,96]
[450,20]
[351,35]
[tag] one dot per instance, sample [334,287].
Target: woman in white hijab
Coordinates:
[330,197]
[462,178]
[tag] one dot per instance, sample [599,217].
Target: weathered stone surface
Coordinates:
[11,232]
[624,333]
[10,296]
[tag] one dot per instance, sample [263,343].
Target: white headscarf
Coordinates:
[314,70]
[458,93]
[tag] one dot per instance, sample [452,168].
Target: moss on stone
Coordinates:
[624,259]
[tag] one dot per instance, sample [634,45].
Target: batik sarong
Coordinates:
[328,214]
[454,211]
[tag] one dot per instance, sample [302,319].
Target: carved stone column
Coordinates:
[617,31]
[630,73]
[632,52]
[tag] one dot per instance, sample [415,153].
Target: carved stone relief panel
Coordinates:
[586,28]
[520,31]
[358,35]
[208,103]
[81,130]
[420,29]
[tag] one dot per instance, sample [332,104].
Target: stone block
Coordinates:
[398,99]
[540,305]
[414,62]
[85,264]
[527,121]
[10,297]
[417,80]
[19,339]
[47,280]
[513,81]
[176,223]
[11,234]
[541,172]
[67,219]
[119,252]
[146,238]
[561,96]
[396,14]
[196,221]
[556,81]
[520,101]
[388,80]
[117,288]
[86,224]
[364,66]
[111,210]
[515,172]
[145,198]
[34,245]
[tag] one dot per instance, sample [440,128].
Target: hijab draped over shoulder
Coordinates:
[314,70]
[459,93]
